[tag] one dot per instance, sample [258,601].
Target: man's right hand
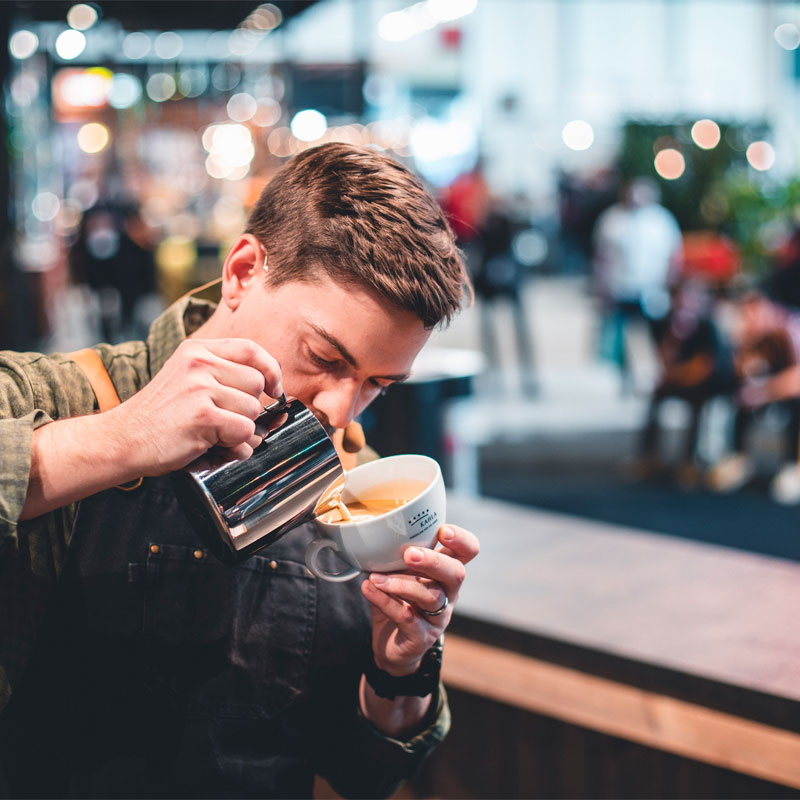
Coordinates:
[208,393]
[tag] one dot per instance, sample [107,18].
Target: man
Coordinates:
[696,365]
[156,670]
[637,245]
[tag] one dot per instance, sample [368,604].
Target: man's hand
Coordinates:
[207,393]
[401,633]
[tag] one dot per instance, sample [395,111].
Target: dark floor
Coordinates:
[593,485]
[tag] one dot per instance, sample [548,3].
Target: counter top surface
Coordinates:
[716,613]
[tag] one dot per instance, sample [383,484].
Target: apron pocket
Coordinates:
[227,641]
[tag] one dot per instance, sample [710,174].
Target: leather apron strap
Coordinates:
[96,373]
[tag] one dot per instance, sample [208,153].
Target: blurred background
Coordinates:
[622,176]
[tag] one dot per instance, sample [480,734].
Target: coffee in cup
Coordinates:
[373,502]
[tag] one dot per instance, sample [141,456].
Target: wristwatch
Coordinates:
[419,684]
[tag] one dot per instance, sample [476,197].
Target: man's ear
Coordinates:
[242,266]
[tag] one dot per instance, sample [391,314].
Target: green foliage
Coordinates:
[758,214]
[718,190]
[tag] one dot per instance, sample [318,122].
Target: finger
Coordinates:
[232,429]
[438,566]
[246,351]
[458,543]
[419,592]
[403,615]
[237,376]
[239,453]
[236,401]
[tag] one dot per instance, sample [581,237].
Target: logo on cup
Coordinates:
[421,522]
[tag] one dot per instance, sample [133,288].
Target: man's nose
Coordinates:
[339,404]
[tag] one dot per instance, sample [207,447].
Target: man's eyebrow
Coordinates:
[345,354]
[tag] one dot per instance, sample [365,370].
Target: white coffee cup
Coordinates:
[377,543]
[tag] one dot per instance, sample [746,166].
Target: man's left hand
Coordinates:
[401,631]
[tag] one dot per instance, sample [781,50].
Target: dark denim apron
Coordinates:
[161,672]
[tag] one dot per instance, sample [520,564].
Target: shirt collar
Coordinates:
[177,322]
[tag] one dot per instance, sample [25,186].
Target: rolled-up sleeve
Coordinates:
[16,436]
[34,390]
[18,419]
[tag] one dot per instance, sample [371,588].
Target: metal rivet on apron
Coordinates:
[154,549]
[198,554]
[273,565]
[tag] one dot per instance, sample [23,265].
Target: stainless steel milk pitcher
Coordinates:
[240,507]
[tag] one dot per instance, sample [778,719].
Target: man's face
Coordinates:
[337,345]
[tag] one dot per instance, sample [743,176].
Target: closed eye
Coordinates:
[322,362]
[332,366]
[380,387]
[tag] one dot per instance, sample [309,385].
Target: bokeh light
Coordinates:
[81,16]
[230,150]
[308,125]
[93,137]
[788,36]
[168,45]
[242,107]
[281,143]
[706,134]
[225,77]
[760,156]
[578,135]
[136,45]
[670,164]
[268,112]
[45,206]
[160,87]
[70,44]
[83,194]
[125,91]
[192,82]
[242,41]
[23,44]
[266,17]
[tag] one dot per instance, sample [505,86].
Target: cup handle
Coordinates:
[312,562]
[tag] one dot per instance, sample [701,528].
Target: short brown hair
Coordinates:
[361,217]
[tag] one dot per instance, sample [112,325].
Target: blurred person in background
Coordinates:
[695,365]
[499,277]
[466,203]
[637,245]
[768,363]
[485,228]
[114,255]
[134,664]
[784,279]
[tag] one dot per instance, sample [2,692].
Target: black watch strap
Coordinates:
[419,684]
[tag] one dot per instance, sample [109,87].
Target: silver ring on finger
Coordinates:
[438,611]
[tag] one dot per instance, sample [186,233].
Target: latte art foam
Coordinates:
[373,502]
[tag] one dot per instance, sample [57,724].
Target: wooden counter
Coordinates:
[683,647]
